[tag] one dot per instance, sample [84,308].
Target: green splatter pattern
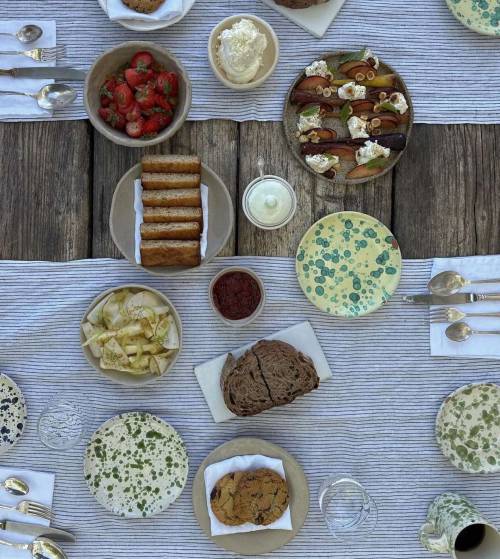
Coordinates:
[468,428]
[482,16]
[136,465]
[348,264]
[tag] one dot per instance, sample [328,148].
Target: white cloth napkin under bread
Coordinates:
[167,11]
[41,486]
[237,464]
[17,106]
[470,267]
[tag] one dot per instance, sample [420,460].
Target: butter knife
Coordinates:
[457,299]
[56,72]
[36,530]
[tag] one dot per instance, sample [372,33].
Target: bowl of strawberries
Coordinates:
[137,94]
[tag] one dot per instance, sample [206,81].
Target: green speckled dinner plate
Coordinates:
[348,264]
[136,465]
[482,16]
[468,428]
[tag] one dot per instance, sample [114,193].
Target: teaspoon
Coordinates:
[449,283]
[15,486]
[41,548]
[53,96]
[27,34]
[461,331]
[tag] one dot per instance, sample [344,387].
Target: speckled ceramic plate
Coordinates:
[482,16]
[468,428]
[136,465]
[13,413]
[348,264]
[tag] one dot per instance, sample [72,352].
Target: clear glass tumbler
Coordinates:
[61,424]
[349,512]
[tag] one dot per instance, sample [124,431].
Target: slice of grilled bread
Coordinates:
[165,181]
[170,253]
[171,164]
[177,231]
[184,197]
[172,215]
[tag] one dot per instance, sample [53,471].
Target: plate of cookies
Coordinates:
[250,496]
[170,214]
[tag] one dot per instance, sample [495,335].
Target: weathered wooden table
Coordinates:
[58,178]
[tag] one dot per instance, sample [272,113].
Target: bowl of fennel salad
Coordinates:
[132,334]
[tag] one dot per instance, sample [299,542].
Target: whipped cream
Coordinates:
[358,127]
[371,150]
[240,51]
[398,100]
[352,91]
[318,68]
[309,119]
[369,54]
[322,162]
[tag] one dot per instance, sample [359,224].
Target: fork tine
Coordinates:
[42,512]
[37,506]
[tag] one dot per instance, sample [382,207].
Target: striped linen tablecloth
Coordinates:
[452,72]
[374,419]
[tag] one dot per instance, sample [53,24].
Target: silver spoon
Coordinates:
[41,548]
[461,331]
[448,283]
[27,34]
[15,486]
[52,96]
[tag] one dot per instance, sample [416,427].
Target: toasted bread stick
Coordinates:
[166,181]
[175,231]
[172,215]
[170,253]
[187,198]
[171,164]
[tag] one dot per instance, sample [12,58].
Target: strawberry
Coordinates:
[136,77]
[142,59]
[162,102]
[135,129]
[167,83]
[133,113]
[106,92]
[123,96]
[114,119]
[145,96]
[151,126]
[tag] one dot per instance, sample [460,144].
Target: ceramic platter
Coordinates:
[290,119]
[122,219]
[482,16]
[144,25]
[13,413]
[136,465]
[265,541]
[468,428]
[348,264]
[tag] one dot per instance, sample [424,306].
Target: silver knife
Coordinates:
[36,530]
[57,72]
[457,299]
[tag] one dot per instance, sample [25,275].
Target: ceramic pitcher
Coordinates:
[455,526]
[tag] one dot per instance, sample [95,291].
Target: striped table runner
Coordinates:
[451,71]
[374,419]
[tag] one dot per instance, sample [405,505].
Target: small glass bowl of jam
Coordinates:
[237,295]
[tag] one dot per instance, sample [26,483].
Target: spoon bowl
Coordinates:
[16,486]
[446,283]
[459,332]
[43,548]
[29,34]
[55,96]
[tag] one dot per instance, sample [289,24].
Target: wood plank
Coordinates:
[435,190]
[267,139]
[45,190]
[112,161]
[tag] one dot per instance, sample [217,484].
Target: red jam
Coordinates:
[236,295]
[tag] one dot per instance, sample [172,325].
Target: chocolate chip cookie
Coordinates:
[222,499]
[143,6]
[261,497]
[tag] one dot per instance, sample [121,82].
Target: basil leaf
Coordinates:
[388,107]
[311,111]
[379,162]
[345,112]
[358,55]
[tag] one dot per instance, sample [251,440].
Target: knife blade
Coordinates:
[427,299]
[56,72]
[36,530]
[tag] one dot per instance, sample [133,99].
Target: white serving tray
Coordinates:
[301,336]
[315,19]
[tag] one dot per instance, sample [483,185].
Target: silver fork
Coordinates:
[450,314]
[30,508]
[40,54]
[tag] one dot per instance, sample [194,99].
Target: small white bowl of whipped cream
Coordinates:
[243,51]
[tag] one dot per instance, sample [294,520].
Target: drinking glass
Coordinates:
[61,425]
[349,512]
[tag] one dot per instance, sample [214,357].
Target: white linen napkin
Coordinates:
[41,490]
[168,10]
[470,267]
[18,106]
[237,464]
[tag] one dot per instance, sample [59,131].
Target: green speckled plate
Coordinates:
[348,264]
[136,465]
[468,428]
[482,16]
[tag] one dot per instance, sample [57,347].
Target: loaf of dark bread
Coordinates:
[300,4]
[271,373]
